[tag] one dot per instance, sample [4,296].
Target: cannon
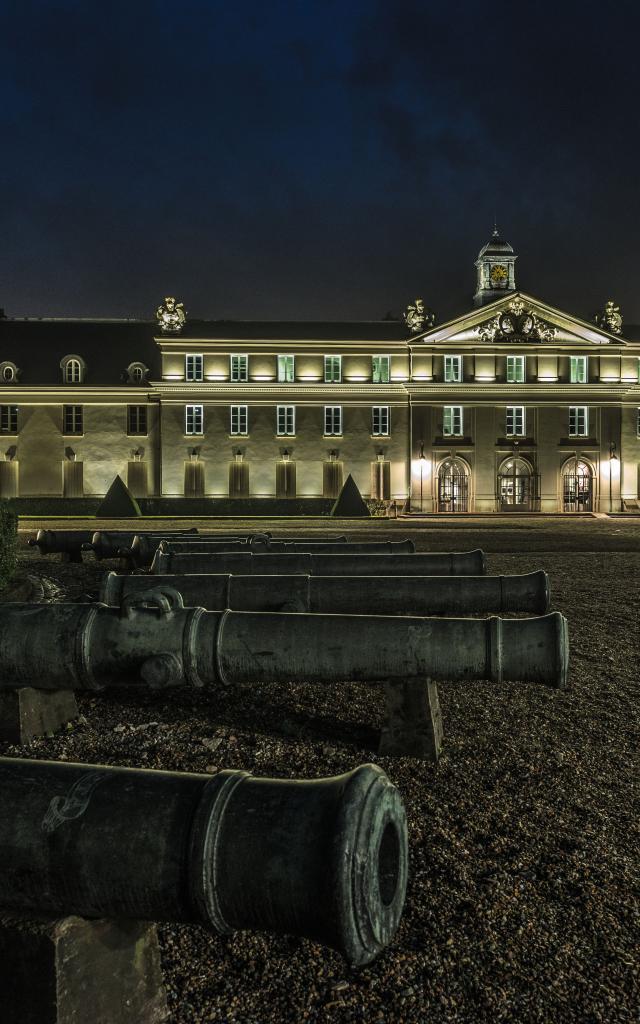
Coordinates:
[245,563]
[109,543]
[153,640]
[350,595]
[68,543]
[324,859]
[269,546]
[142,549]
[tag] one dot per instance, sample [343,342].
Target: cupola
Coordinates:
[496,270]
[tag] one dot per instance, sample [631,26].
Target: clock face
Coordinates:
[498,274]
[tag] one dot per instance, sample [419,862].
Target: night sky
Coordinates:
[315,160]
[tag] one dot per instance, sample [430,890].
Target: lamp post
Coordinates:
[613,458]
[422,458]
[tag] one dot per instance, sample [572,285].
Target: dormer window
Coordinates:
[73,369]
[8,373]
[136,373]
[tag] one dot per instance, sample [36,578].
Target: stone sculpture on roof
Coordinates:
[417,318]
[171,315]
[609,318]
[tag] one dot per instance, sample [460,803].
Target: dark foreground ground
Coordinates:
[524,896]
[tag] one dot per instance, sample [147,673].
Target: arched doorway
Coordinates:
[453,486]
[577,487]
[516,486]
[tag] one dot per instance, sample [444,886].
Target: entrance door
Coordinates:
[577,490]
[453,486]
[515,486]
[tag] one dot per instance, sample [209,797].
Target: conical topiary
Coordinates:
[118,502]
[350,504]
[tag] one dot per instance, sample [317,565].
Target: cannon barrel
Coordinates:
[153,639]
[109,543]
[245,563]
[66,542]
[269,546]
[142,548]
[348,595]
[142,552]
[325,859]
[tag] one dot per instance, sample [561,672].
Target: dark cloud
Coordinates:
[313,158]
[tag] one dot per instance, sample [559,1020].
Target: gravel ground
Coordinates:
[524,896]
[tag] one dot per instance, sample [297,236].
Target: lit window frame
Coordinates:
[194,367]
[578,369]
[381,369]
[285,420]
[239,368]
[516,369]
[137,421]
[576,413]
[72,420]
[194,420]
[333,421]
[453,369]
[333,369]
[9,419]
[515,421]
[286,372]
[452,417]
[380,421]
[239,420]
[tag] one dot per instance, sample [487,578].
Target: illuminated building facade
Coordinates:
[512,406]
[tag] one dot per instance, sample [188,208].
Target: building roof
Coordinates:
[108,347]
[291,330]
[496,246]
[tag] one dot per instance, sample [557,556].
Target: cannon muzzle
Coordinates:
[68,543]
[323,859]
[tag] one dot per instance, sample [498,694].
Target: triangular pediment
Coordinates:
[518,318]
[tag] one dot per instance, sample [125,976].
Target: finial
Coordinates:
[495,226]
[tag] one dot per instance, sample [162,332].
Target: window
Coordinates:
[9,419]
[515,421]
[72,419]
[452,369]
[239,367]
[452,421]
[578,369]
[8,374]
[193,419]
[72,372]
[515,369]
[286,419]
[239,419]
[333,419]
[137,375]
[578,421]
[380,369]
[332,369]
[286,369]
[136,419]
[193,367]
[380,420]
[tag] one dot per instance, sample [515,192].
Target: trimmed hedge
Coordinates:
[175,507]
[8,542]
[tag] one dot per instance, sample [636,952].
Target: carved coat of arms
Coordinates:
[171,315]
[516,322]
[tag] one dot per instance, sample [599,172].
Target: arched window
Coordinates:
[515,486]
[72,371]
[577,487]
[9,373]
[453,486]
[137,375]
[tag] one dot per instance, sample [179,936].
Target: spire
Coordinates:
[496,269]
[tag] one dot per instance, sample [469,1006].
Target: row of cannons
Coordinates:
[109,848]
